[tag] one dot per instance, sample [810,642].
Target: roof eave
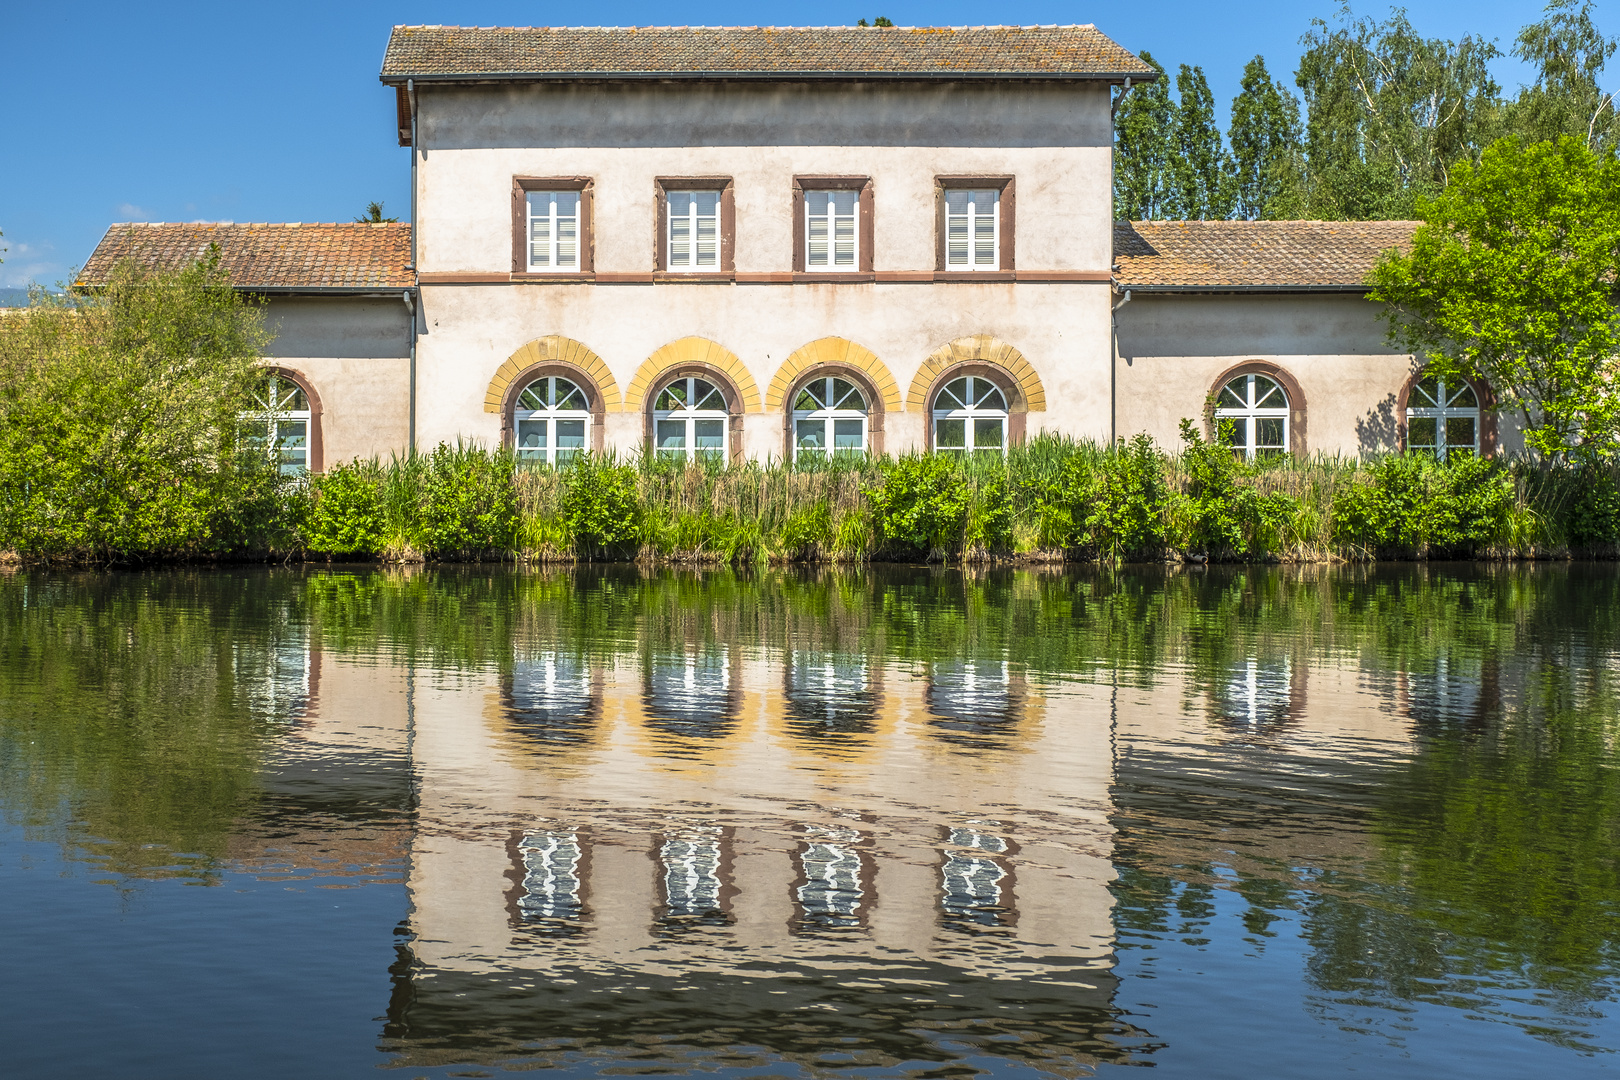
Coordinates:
[1111,77]
[1244,288]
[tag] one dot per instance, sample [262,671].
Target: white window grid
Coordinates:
[1257,408]
[551,421]
[829,419]
[970,417]
[693,240]
[832,230]
[278,422]
[1442,417]
[690,421]
[972,229]
[553,230]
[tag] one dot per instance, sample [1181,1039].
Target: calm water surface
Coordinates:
[910,822]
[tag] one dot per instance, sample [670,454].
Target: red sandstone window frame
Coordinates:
[725,185]
[521,186]
[862,185]
[1006,225]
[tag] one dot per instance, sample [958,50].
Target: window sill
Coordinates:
[833,277]
[555,277]
[975,275]
[695,277]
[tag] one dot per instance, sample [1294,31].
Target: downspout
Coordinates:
[1113,311]
[1113,368]
[416,281]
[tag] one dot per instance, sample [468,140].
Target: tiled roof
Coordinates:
[270,256]
[1253,254]
[469,52]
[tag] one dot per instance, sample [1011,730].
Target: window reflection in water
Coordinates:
[691,863]
[1446,696]
[690,694]
[550,699]
[831,891]
[273,678]
[829,697]
[976,889]
[1257,695]
[551,899]
[974,703]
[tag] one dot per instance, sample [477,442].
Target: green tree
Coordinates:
[1203,180]
[1266,147]
[118,414]
[1511,279]
[1389,113]
[374,215]
[1142,126]
[879,21]
[1569,53]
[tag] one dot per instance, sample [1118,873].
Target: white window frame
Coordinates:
[829,417]
[694,224]
[271,410]
[547,225]
[970,413]
[971,224]
[691,417]
[1443,409]
[833,224]
[1247,418]
[550,415]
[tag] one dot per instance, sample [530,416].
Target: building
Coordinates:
[780,242]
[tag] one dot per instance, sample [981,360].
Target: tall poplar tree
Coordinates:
[1266,148]
[1203,181]
[1142,148]
[1569,54]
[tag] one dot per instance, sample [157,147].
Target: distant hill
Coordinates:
[13,297]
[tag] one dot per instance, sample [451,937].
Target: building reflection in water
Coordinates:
[276,680]
[975,704]
[834,882]
[552,897]
[549,699]
[830,697]
[1451,695]
[977,879]
[692,866]
[691,694]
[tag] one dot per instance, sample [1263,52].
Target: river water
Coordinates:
[1274,822]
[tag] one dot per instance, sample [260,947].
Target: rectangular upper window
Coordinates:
[553,231]
[975,227]
[697,223]
[831,233]
[832,224]
[694,230]
[551,225]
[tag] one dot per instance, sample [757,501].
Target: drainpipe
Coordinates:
[410,93]
[1113,312]
[1113,368]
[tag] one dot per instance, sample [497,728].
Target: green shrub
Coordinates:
[600,505]
[1468,511]
[807,531]
[468,505]
[345,511]
[1410,504]
[922,505]
[1592,515]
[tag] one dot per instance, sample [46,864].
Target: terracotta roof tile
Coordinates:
[266,255]
[1253,254]
[697,51]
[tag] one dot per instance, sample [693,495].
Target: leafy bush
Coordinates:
[345,511]
[1410,504]
[807,531]
[1593,514]
[1220,516]
[468,506]
[922,505]
[600,504]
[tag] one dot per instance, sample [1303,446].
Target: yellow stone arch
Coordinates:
[982,349]
[692,350]
[834,350]
[554,347]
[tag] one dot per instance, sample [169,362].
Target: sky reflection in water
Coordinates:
[893,822]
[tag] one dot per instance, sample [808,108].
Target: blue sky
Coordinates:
[273,112]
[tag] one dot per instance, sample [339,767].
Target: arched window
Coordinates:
[970,416]
[277,420]
[1442,417]
[829,419]
[1256,407]
[690,420]
[550,420]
